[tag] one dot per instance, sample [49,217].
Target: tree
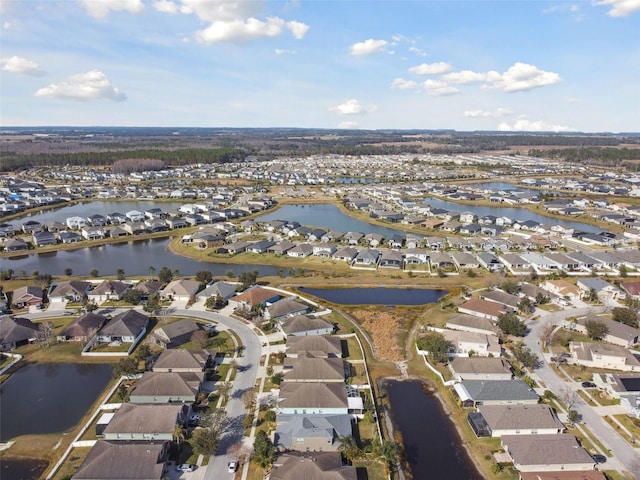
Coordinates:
[510,286]
[127,367]
[525,356]
[204,441]
[68,271]
[176,273]
[46,333]
[152,271]
[623,271]
[568,396]
[388,452]
[219,343]
[123,392]
[436,346]
[510,324]
[526,306]
[153,303]
[596,329]
[349,448]
[204,276]
[263,449]
[593,295]
[88,305]
[179,434]
[132,296]
[546,333]
[94,273]
[625,315]
[573,417]
[120,273]
[44,280]
[165,275]
[541,298]
[215,302]
[248,279]
[223,389]
[249,398]
[277,378]
[200,338]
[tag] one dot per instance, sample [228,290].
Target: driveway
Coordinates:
[625,457]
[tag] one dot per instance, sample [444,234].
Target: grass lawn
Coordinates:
[585,396]
[631,424]
[352,348]
[71,465]
[358,374]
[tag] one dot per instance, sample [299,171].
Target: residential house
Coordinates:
[27,296]
[480,368]
[31,226]
[16,331]
[74,291]
[465,260]
[15,245]
[467,344]
[324,250]
[470,323]
[543,453]
[181,360]
[126,327]
[313,398]
[301,250]
[93,233]
[617,333]
[224,290]
[134,216]
[281,248]
[391,259]
[503,298]
[149,423]
[316,466]
[117,460]
[501,420]
[515,263]
[286,307]
[167,387]
[316,346]
[345,254]
[175,333]
[562,288]
[442,261]
[352,238]
[305,325]
[604,355]
[374,240]
[83,328]
[182,290]
[148,287]
[310,369]
[43,239]
[255,295]
[69,237]
[416,256]
[622,386]
[135,228]
[484,308]
[311,433]
[97,220]
[367,257]
[472,393]
[108,290]
[605,291]
[260,247]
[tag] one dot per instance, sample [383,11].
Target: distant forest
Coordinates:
[129,150]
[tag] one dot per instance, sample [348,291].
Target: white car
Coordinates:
[232,466]
[186,467]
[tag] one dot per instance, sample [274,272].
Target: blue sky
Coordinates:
[466,65]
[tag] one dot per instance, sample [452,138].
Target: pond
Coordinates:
[327,216]
[22,468]
[134,257]
[432,445]
[376,295]
[49,397]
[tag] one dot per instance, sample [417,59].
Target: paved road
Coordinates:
[245,379]
[625,457]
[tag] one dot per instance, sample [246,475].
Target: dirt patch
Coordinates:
[387,328]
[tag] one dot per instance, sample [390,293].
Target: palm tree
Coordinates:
[179,434]
[388,452]
[348,447]
[224,389]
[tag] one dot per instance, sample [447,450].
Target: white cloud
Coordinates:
[524,125]
[437,68]
[464,77]
[232,20]
[92,85]
[352,107]
[348,125]
[620,8]
[282,51]
[522,76]
[573,100]
[368,47]
[498,112]
[438,88]
[165,6]
[21,66]
[101,8]
[402,84]
[418,52]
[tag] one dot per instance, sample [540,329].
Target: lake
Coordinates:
[134,257]
[431,442]
[327,216]
[49,397]
[514,213]
[376,295]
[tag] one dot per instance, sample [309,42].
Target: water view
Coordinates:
[325,215]
[49,397]
[511,212]
[376,296]
[432,445]
[134,257]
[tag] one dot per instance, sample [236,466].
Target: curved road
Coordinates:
[625,457]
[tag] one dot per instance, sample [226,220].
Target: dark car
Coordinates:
[599,458]
[588,385]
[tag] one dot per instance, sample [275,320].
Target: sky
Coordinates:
[507,65]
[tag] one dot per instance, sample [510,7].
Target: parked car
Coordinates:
[588,385]
[232,466]
[599,458]
[186,467]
